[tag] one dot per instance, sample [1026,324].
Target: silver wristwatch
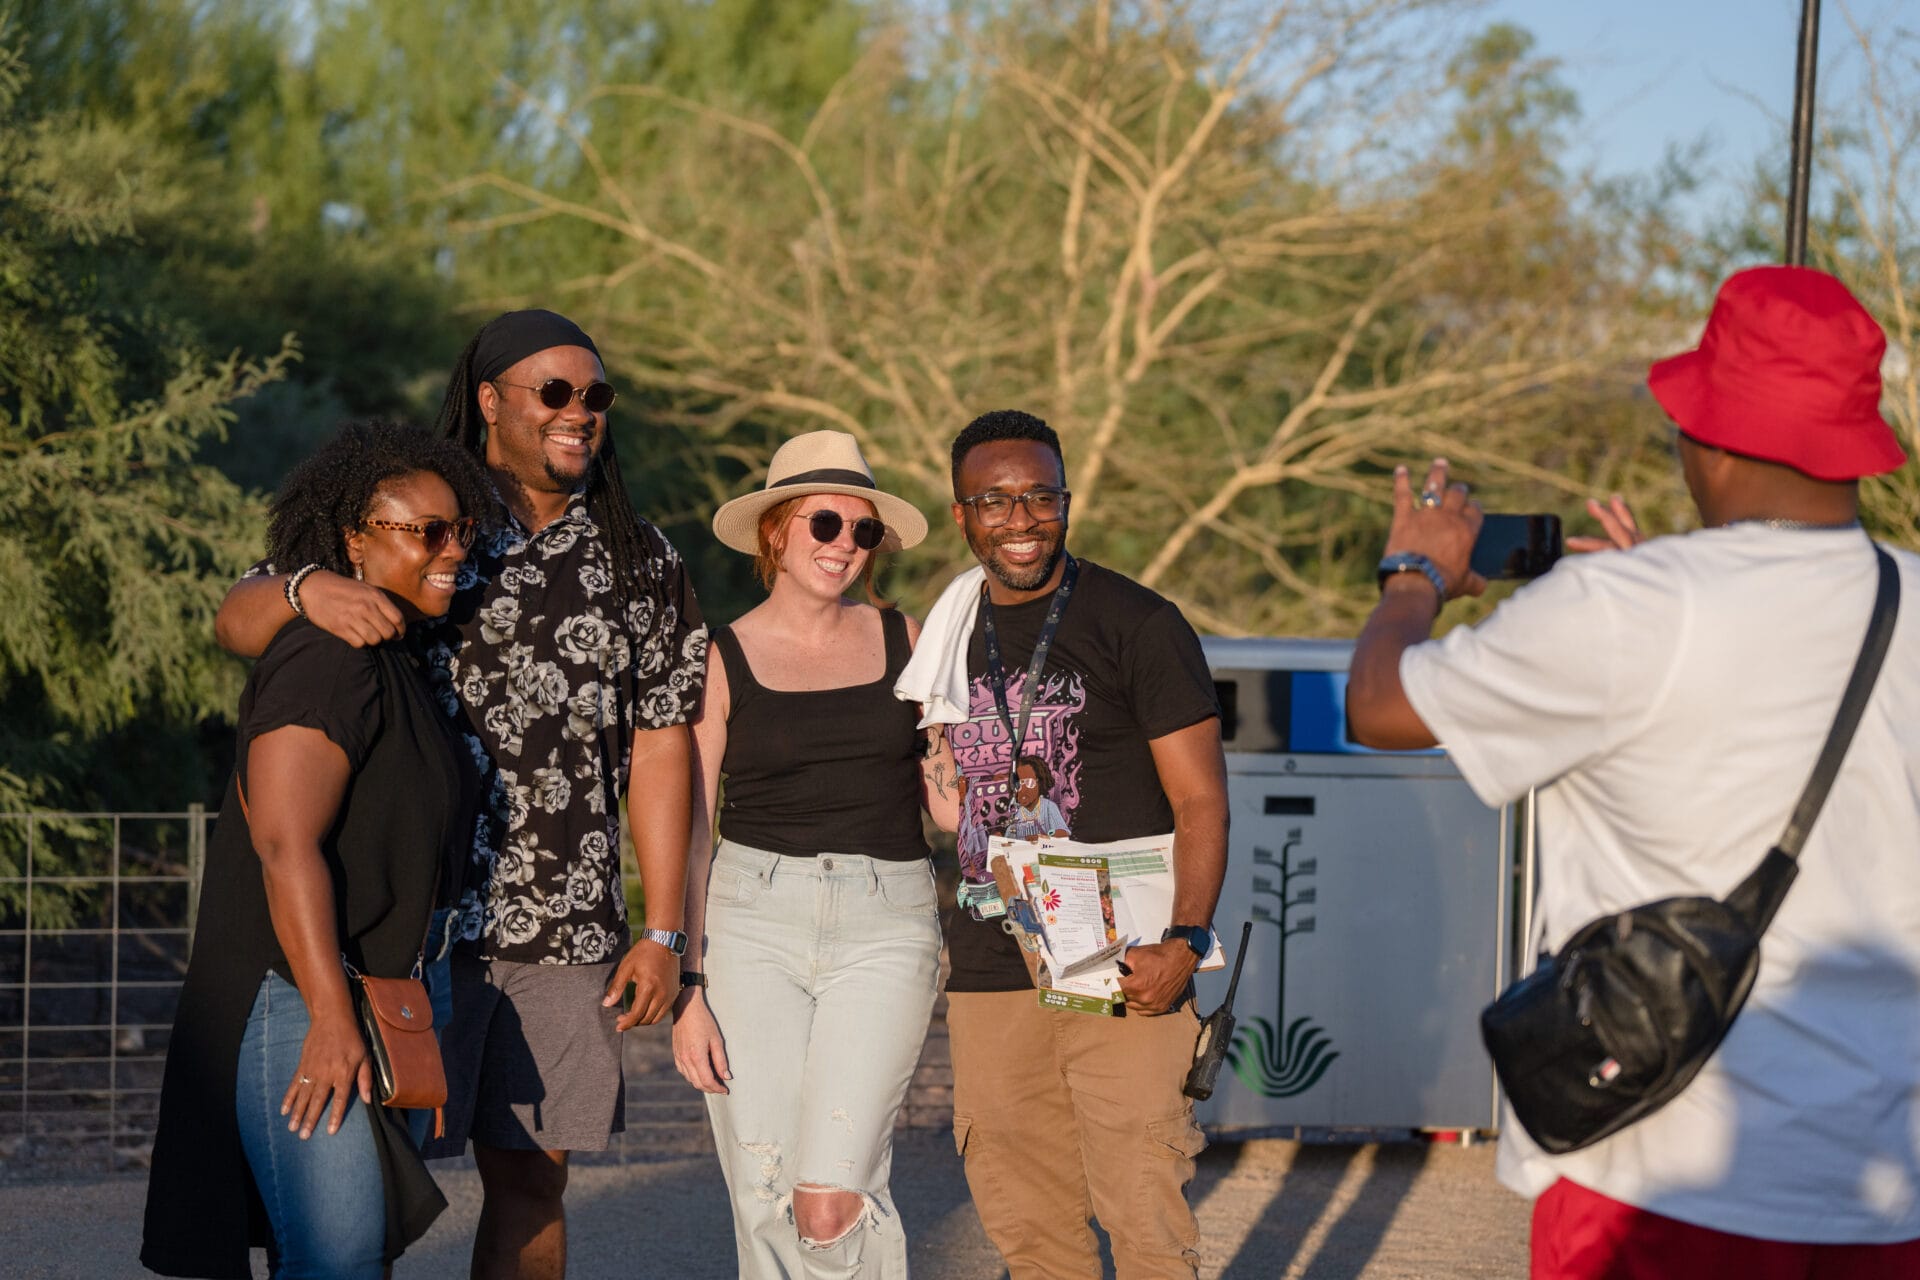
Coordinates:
[674,941]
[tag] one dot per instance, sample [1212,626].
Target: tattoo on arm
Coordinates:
[940,778]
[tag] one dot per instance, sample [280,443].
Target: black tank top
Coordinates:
[822,770]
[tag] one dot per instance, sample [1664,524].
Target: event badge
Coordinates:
[982,899]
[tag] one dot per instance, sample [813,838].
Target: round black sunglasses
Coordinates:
[554,393]
[825,527]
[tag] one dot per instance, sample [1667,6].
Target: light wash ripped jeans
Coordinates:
[822,973]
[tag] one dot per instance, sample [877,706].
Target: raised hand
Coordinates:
[1616,521]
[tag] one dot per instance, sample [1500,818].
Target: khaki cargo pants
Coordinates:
[1062,1116]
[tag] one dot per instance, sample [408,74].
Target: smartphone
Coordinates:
[1516,546]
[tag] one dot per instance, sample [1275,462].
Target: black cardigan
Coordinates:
[402,828]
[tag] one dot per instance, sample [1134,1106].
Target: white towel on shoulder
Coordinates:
[936,675]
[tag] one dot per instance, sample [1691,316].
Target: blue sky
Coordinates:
[1654,72]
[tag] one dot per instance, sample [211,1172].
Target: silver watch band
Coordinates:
[673,940]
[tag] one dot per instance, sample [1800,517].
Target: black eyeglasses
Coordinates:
[434,532]
[995,509]
[825,526]
[554,393]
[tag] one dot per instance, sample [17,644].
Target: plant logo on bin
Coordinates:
[1279,1059]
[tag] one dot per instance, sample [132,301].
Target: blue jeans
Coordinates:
[324,1195]
[822,976]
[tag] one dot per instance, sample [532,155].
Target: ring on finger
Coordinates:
[306,1079]
[1429,497]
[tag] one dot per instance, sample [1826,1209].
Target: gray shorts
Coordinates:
[533,1061]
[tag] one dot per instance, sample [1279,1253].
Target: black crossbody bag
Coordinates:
[1615,1025]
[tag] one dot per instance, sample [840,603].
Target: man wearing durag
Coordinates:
[574,656]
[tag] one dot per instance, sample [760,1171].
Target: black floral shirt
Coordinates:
[548,679]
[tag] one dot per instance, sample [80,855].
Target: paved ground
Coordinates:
[1267,1209]
[656,1207]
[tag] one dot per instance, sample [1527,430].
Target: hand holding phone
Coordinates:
[1516,546]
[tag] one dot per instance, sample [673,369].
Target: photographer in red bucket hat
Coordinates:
[1668,701]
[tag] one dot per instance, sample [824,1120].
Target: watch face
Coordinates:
[1197,939]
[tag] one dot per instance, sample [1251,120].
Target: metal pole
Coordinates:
[26,988]
[1529,880]
[1802,133]
[113,1002]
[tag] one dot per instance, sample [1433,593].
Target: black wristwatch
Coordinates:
[1198,937]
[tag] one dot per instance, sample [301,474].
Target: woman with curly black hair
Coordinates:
[344,824]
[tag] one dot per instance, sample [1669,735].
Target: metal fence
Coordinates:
[96,914]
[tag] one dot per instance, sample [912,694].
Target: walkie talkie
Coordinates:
[1216,1033]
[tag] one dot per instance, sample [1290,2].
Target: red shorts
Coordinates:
[1582,1235]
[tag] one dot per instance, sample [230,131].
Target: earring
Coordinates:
[359,573]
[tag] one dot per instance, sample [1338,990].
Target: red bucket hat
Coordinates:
[1788,371]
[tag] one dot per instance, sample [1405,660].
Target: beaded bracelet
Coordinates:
[294,580]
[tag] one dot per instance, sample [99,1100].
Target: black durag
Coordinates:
[508,339]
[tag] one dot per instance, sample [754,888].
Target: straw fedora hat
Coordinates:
[818,462]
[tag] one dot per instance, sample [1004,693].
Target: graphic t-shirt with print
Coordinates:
[1124,668]
[548,677]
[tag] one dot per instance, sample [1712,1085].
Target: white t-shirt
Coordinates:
[1669,702]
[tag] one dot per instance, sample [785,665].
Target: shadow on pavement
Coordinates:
[1356,1235]
[1315,1199]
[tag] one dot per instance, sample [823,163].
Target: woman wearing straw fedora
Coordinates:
[813,930]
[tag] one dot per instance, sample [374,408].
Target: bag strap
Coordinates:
[1853,704]
[1758,897]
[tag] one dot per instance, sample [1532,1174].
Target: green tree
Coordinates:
[116,543]
[263,234]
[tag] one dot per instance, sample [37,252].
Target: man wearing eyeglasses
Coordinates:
[1061,1116]
[573,657]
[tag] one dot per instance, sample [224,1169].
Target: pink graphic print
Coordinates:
[984,754]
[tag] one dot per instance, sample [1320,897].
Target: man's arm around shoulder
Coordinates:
[256,608]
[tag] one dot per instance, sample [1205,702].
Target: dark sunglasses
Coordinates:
[434,532]
[825,526]
[554,393]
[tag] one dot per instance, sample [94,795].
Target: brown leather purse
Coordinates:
[397,1019]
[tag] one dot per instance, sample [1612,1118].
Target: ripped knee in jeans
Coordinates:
[827,1216]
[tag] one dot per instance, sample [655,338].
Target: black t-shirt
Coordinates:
[402,829]
[823,770]
[1124,668]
